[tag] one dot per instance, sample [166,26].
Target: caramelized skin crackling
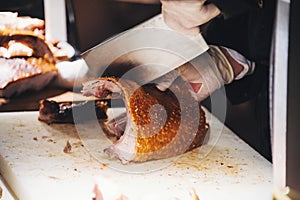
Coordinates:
[159,124]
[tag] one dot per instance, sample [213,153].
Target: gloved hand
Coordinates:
[187,16]
[209,71]
[71,74]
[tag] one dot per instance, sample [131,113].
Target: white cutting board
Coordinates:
[34,165]
[4,192]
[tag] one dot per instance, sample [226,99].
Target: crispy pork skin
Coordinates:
[67,112]
[158,124]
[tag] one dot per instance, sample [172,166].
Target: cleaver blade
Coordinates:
[144,52]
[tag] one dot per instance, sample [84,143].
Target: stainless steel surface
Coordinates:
[144,52]
[279,94]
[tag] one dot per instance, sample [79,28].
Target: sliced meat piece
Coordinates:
[158,124]
[54,112]
[116,127]
[19,75]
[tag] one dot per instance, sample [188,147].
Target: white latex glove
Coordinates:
[208,72]
[185,16]
[71,74]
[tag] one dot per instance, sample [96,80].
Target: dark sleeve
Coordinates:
[231,8]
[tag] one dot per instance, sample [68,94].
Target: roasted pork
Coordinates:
[158,124]
[27,60]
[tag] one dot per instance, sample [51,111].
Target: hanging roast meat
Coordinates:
[156,125]
[26,62]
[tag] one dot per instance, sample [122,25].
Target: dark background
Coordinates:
[293,110]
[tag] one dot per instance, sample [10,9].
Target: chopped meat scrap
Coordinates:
[68,147]
[54,112]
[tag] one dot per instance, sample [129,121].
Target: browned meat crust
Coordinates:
[159,124]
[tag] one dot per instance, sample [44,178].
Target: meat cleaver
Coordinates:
[144,52]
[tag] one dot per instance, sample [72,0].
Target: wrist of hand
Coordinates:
[222,63]
[208,72]
[230,61]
